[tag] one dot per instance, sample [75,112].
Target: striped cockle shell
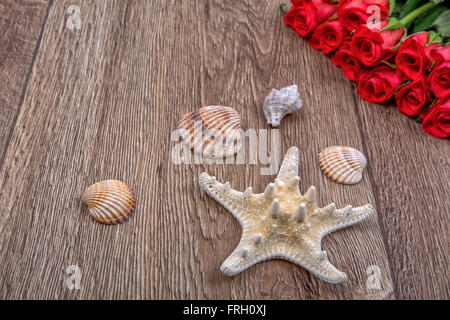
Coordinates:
[109,201]
[212,131]
[342,164]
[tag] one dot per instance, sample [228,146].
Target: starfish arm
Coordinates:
[289,167]
[249,252]
[242,258]
[234,201]
[332,220]
[316,261]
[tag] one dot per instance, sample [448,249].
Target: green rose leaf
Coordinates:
[393,23]
[433,37]
[442,23]
[437,1]
[410,17]
[409,6]
[425,21]
[398,7]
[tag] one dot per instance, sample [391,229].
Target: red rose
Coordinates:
[412,97]
[328,36]
[372,46]
[439,80]
[379,84]
[353,13]
[441,54]
[436,120]
[350,65]
[413,57]
[306,15]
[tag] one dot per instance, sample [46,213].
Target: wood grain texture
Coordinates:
[102,102]
[21,24]
[410,174]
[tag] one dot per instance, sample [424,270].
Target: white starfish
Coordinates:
[282,223]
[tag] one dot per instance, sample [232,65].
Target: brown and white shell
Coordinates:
[212,131]
[342,164]
[109,201]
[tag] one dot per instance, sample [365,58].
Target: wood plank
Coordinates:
[21,23]
[102,103]
[410,175]
[268,55]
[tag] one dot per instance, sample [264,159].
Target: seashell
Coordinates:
[109,201]
[342,164]
[280,103]
[212,131]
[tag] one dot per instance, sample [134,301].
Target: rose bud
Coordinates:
[328,36]
[353,13]
[439,80]
[371,46]
[436,120]
[441,54]
[413,56]
[379,84]
[306,15]
[350,65]
[411,98]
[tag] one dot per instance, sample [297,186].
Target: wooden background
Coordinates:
[79,106]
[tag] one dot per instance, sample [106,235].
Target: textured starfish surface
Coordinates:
[281,223]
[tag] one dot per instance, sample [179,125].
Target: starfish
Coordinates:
[280,223]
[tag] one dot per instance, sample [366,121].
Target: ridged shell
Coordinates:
[109,201]
[280,103]
[213,131]
[342,164]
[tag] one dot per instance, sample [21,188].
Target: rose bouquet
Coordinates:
[393,50]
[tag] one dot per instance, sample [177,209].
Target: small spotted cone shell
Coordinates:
[212,131]
[109,201]
[342,164]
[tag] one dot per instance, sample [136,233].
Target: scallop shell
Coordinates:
[280,103]
[342,164]
[109,201]
[212,131]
